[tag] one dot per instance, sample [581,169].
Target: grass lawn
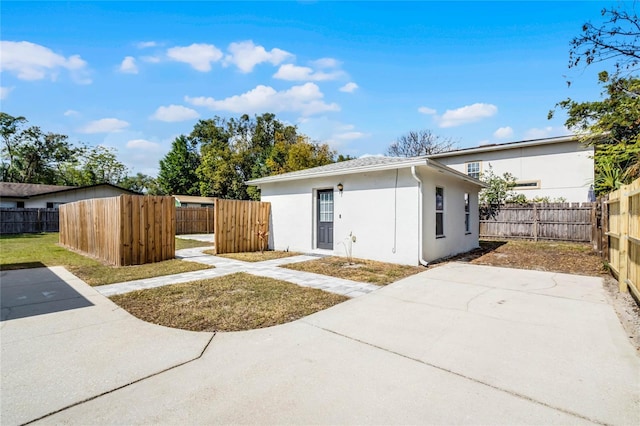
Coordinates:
[230,303]
[255,256]
[40,250]
[182,243]
[366,271]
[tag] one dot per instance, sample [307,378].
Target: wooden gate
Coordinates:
[237,224]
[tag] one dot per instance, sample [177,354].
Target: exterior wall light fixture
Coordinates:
[340,187]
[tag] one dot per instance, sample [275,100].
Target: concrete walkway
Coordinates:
[457,344]
[225,266]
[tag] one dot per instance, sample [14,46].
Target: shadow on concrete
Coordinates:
[29,292]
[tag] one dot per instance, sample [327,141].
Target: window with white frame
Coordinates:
[467,216]
[473,169]
[439,212]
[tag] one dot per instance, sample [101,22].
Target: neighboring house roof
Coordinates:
[30,190]
[362,165]
[505,146]
[188,199]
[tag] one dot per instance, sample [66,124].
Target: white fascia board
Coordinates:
[441,167]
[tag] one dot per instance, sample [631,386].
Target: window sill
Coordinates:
[468,233]
[440,236]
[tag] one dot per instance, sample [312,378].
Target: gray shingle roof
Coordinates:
[344,166]
[17,190]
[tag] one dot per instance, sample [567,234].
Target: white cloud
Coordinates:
[143,144]
[426,110]
[546,132]
[174,113]
[4,92]
[71,113]
[199,56]
[292,72]
[503,132]
[246,55]
[349,87]
[326,63]
[30,61]
[467,114]
[104,125]
[146,44]
[305,99]
[128,65]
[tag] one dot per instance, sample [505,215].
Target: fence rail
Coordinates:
[539,221]
[194,220]
[28,221]
[237,225]
[123,230]
[622,230]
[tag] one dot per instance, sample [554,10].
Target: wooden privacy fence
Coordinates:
[194,220]
[237,225]
[123,230]
[28,221]
[539,221]
[622,209]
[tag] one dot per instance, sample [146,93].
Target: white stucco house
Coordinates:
[29,195]
[560,167]
[400,210]
[194,201]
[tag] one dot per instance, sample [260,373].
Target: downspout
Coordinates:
[420,218]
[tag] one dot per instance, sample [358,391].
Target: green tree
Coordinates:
[612,126]
[31,156]
[499,189]
[141,183]
[418,143]
[236,150]
[177,174]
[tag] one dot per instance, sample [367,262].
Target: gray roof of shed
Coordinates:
[28,190]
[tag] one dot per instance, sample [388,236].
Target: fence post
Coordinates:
[624,241]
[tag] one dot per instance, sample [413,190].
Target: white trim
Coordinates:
[510,145]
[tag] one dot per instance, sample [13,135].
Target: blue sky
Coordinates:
[355,75]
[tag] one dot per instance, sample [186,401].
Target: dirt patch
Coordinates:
[627,309]
[569,258]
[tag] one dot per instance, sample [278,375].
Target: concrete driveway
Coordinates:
[456,344]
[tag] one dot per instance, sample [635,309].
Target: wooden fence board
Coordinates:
[623,236]
[236,225]
[194,220]
[124,230]
[539,221]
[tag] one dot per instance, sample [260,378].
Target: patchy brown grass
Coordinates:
[366,271]
[102,274]
[255,256]
[570,258]
[230,303]
[182,243]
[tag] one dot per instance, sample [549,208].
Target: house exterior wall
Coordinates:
[73,195]
[456,239]
[382,214]
[564,170]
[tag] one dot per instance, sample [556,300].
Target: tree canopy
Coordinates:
[220,154]
[612,124]
[421,142]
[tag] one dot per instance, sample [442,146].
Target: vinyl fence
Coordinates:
[538,221]
[623,232]
[194,220]
[123,230]
[238,224]
[28,221]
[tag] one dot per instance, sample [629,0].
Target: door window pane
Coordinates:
[326,206]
